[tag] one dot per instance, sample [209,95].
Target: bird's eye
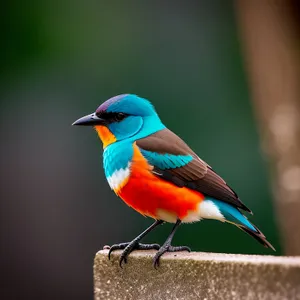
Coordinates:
[120,117]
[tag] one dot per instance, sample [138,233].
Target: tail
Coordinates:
[234,216]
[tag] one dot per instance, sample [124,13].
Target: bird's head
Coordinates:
[122,117]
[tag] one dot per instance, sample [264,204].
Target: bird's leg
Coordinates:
[166,247]
[134,244]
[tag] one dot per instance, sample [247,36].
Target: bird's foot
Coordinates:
[167,248]
[129,247]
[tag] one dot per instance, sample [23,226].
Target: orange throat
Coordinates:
[105,135]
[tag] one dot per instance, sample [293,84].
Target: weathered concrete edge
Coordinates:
[293,261]
[196,275]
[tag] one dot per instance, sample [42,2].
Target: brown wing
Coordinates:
[197,174]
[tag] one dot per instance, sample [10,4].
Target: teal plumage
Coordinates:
[116,157]
[166,161]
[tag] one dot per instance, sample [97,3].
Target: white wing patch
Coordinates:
[119,178]
[192,216]
[208,210]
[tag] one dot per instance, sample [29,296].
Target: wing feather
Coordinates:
[169,155]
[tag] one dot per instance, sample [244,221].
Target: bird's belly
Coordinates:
[157,198]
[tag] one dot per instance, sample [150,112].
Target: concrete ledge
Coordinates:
[197,275]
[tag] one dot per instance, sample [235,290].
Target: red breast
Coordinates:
[155,197]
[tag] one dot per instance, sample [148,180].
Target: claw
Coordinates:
[109,252]
[167,248]
[128,248]
[156,263]
[117,247]
[134,244]
[122,259]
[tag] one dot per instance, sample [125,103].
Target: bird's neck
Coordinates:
[105,135]
[118,155]
[151,125]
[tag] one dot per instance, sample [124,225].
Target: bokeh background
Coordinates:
[59,61]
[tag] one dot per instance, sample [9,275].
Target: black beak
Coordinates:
[89,120]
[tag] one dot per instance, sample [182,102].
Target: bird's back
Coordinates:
[175,161]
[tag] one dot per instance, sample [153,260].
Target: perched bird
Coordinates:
[156,173]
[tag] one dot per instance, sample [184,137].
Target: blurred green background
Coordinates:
[59,61]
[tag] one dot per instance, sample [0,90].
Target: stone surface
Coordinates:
[197,275]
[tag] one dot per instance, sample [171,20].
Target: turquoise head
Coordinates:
[122,117]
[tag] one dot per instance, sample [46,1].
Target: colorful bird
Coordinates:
[156,173]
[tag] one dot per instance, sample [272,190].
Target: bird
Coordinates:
[157,174]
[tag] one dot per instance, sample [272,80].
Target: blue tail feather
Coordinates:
[232,214]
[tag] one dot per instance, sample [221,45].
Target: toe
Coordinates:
[148,247]
[116,247]
[122,259]
[156,261]
[179,248]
